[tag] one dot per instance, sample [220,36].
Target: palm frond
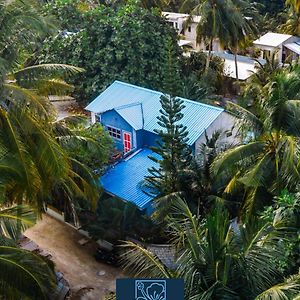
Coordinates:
[25,274]
[49,70]
[140,262]
[14,220]
[288,290]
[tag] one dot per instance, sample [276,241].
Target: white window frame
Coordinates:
[108,127]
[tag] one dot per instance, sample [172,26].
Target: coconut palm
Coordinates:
[292,25]
[32,156]
[295,4]
[268,159]
[22,274]
[230,22]
[32,160]
[219,258]
[261,76]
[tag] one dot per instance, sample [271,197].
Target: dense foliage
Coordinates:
[272,7]
[125,43]
[248,252]
[116,220]
[220,258]
[93,146]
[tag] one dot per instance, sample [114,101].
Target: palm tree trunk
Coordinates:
[236,65]
[208,59]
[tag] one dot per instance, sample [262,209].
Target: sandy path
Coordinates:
[74,261]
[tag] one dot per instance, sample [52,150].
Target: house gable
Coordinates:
[112,119]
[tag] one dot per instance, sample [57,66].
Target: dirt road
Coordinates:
[88,279]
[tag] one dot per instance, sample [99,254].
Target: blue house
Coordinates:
[129,114]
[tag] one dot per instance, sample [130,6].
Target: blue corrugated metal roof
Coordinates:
[132,114]
[124,180]
[140,108]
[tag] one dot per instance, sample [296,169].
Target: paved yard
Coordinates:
[74,261]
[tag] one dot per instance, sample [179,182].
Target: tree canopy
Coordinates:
[125,43]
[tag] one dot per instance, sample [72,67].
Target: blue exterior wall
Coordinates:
[140,138]
[112,118]
[149,139]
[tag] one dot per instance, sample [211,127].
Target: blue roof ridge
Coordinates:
[160,93]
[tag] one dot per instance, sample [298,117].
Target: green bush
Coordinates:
[125,43]
[116,220]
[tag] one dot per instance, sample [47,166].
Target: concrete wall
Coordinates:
[224,122]
[278,50]
[192,36]
[178,24]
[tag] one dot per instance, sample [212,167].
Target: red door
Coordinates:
[127,141]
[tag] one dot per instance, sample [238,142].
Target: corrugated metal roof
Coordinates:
[125,179]
[272,39]
[246,65]
[140,106]
[132,114]
[175,16]
[295,47]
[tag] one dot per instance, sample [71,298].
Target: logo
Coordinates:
[150,289]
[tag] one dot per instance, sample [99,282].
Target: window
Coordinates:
[189,29]
[176,25]
[114,132]
[98,118]
[266,54]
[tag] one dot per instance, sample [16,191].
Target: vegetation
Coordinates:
[90,145]
[231,214]
[33,162]
[24,275]
[268,162]
[173,150]
[220,258]
[173,154]
[231,22]
[116,220]
[122,43]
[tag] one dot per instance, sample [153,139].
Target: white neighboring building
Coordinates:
[246,65]
[189,33]
[284,45]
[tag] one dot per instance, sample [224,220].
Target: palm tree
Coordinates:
[261,76]
[219,258]
[292,25]
[295,4]
[32,160]
[241,26]
[268,158]
[231,22]
[23,274]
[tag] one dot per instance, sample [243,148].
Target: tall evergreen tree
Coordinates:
[172,148]
[172,83]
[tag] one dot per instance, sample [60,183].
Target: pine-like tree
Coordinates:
[172,83]
[174,153]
